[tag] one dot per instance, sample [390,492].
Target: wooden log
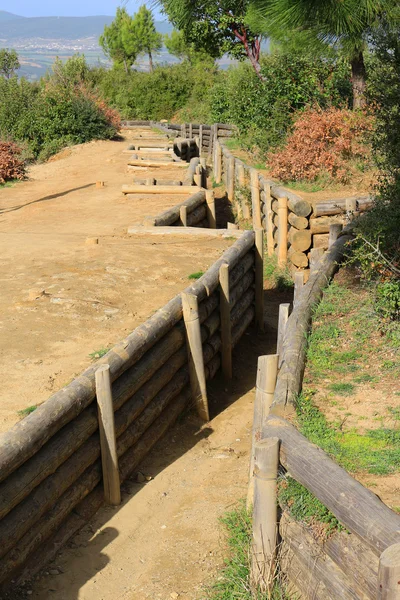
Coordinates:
[269,216]
[243,285]
[298,286]
[282,322]
[243,325]
[230,188]
[232,226]
[197,215]
[195,354]
[316,255]
[198,176]
[170,216]
[241,306]
[320,240]
[298,259]
[259,277]
[218,162]
[255,198]
[303,583]
[183,215]
[265,517]
[334,232]
[155,164]
[226,331]
[243,267]
[194,231]
[389,574]
[294,348]
[311,554]
[159,189]
[357,508]
[109,458]
[300,240]
[322,224]
[338,205]
[297,222]
[282,232]
[210,207]
[267,368]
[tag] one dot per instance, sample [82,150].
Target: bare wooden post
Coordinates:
[298,285]
[255,198]
[265,513]
[183,130]
[334,231]
[198,176]
[259,277]
[315,256]
[267,369]
[203,163]
[226,331]
[282,231]
[269,215]
[218,162]
[109,457]
[201,138]
[389,574]
[195,353]
[231,178]
[183,215]
[351,209]
[282,321]
[210,207]
[232,225]
[190,131]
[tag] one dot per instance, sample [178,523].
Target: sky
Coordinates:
[69,8]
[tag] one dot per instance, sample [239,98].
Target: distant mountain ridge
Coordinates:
[14,27]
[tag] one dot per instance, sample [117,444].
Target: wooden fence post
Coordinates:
[195,353]
[210,207]
[259,277]
[231,178]
[282,231]
[226,331]
[201,138]
[198,176]
[183,130]
[183,215]
[315,256]
[218,162]
[190,131]
[389,574]
[269,225]
[203,163]
[282,321]
[351,209]
[267,369]
[265,513]
[334,231]
[109,457]
[255,198]
[298,285]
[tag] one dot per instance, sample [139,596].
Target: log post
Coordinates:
[231,178]
[183,215]
[232,225]
[315,256]
[198,176]
[239,183]
[190,131]
[226,331]
[268,219]
[282,231]
[389,574]
[282,320]
[255,198]
[109,457]
[351,209]
[183,130]
[210,206]
[265,513]
[298,285]
[267,369]
[218,162]
[259,277]
[334,231]
[201,138]
[195,353]
[203,163]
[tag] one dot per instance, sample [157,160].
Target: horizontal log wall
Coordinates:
[50,463]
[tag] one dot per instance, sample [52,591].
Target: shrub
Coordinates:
[11,164]
[323,141]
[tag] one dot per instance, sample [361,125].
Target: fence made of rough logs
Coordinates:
[361,561]
[51,476]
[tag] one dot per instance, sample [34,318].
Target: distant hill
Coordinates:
[15,28]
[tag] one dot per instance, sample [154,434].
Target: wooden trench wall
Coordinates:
[362,561]
[50,462]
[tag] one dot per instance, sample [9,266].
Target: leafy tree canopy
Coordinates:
[177,45]
[112,40]
[9,62]
[140,36]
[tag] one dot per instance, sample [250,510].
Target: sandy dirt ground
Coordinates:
[165,541]
[63,298]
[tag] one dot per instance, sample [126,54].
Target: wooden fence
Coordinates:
[360,563]
[51,478]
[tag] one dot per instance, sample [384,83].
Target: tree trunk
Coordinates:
[151,62]
[358,77]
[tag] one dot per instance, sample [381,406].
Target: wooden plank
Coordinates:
[226,332]
[357,508]
[195,354]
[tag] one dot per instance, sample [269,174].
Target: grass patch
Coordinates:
[99,353]
[377,451]
[278,277]
[343,388]
[305,507]
[234,582]
[196,275]
[27,411]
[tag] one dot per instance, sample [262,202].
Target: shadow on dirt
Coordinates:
[50,197]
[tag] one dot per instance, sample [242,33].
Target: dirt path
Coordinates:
[63,299]
[165,541]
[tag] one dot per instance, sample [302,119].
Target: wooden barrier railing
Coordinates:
[362,564]
[50,462]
